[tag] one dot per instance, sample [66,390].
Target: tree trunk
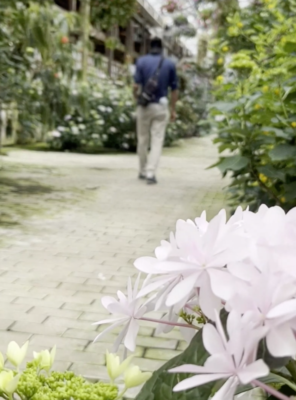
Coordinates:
[1,122]
[85,28]
[73,5]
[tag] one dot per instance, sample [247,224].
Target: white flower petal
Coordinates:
[223,284]
[149,265]
[207,300]
[256,370]
[110,328]
[182,290]
[281,341]
[131,335]
[227,391]
[286,308]
[198,380]
[212,340]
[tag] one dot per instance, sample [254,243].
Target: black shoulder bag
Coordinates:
[148,91]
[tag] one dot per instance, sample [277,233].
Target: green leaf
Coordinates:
[290,47]
[234,163]
[278,132]
[290,191]
[270,379]
[271,172]
[282,152]
[224,107]
[161,383]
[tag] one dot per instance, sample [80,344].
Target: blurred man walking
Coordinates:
[155,75]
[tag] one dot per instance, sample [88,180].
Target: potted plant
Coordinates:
[181,20]
[171,6]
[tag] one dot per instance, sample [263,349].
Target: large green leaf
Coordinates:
[272,172]
[160,386]
[283,152]
[224,107]
[233,163]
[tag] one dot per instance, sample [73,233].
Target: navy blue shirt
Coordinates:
[146,67]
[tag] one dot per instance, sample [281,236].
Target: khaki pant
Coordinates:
[151,127]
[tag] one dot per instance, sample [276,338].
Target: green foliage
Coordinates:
[36,62]
[161,384]
[256,104]
[61,386]
[106,14]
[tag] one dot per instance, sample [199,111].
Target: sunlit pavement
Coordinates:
[81,222]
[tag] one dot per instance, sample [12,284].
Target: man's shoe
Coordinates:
[142,176]
[151,181]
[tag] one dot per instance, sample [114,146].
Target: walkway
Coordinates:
[81,222]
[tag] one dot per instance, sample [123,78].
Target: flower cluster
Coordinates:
[244,266]
[36,382]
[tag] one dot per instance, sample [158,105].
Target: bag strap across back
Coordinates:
[156,73]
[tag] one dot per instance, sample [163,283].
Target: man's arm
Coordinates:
[138,80]
[174,92]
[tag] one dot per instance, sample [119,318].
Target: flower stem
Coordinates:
[270,390]
[121,394]
[159,321]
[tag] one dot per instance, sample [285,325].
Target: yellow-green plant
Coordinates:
[255,110]
[36,382]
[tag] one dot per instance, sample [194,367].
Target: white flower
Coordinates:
[274,308]
[97,95]
[61,128]
[95,136]
[75,130]
[125,146]
[102,108]
[133,377]
[55,134]
[8,382]
[114,367]
[68,117]
[127,310]
[233,359]
[113,129]
[109,110]
[45,358]
[16,354]
[219,118]
[196,258]
[81,126]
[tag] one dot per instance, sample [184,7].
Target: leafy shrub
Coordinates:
[255,111]
[107,120]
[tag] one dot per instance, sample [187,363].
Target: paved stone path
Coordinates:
[80,222]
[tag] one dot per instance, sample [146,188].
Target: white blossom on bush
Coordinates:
[246,266]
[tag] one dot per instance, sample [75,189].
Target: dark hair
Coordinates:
[156,43]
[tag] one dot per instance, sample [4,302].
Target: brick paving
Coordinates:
[81,221]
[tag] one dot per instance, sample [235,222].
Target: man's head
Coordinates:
[156,45]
